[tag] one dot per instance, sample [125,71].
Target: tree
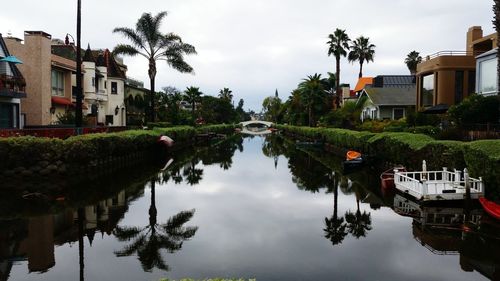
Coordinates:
[272,107]
[411,61]
[496,23]
[361,50]
[226,94]
[149,42]
[311,90]
[193,95]
[338,46]
[335,228]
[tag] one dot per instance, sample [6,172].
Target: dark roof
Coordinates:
[106,58]
[392,96]
[394,81]
[88,56]
[65,51]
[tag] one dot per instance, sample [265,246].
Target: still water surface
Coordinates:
[253,208]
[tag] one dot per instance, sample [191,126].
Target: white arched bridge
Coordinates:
[256,127]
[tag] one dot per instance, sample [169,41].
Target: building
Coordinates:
[135,99]
[447,77]
[104,88]
[486,73]
[12,90]
[48,78]
[387,102]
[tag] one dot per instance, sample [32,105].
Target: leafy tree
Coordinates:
[476,109]
[272,107]
[217,111]
[361,50]
[149,42]
[338,47]
[240,112]
[412,60]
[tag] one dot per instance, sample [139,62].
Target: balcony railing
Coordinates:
[12,83]
[452,53]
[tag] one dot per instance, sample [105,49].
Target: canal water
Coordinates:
[254,207]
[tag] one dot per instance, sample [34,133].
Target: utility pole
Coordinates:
[79,98]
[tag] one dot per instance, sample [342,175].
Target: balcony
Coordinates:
[12,87]
[451,54]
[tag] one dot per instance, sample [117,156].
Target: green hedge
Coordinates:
[482,158]
[25,152]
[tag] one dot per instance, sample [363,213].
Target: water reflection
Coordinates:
[280,225]
[147,241]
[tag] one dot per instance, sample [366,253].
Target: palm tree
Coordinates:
[361,50]
[193,95]
[411,61]
[226,94]
[192,175]
[149,42]
[149,240]
[338,46]
[311,89]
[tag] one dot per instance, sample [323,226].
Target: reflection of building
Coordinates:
[448,77]
[441,230]
[40,234]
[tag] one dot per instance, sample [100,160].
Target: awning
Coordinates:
[11,59]
[61,101]
[437,109]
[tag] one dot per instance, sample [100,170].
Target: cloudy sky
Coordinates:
[256,46]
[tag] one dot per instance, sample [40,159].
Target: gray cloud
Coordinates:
[256,46]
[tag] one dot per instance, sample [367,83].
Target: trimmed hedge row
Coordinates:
[24,152]
[482,158]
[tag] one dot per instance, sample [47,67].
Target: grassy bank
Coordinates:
[482,158]
[26,156]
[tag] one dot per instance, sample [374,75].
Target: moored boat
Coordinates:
[492,208]
[353,160]
[387,177]
[352,155]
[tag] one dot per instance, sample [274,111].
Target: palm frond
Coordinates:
[126,233]
[131,34]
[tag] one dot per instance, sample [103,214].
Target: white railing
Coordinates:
[434,182]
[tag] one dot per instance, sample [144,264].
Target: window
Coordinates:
[472,82]
[9,117]
[93,81]
[427,93]
[114,88]
[398,113]
[459,86]
[57,83]
[109,119]
[487,77]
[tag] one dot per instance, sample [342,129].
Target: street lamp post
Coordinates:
[78,109]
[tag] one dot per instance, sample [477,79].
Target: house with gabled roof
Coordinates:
[387,102]
[12,90]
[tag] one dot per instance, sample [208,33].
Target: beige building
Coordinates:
[447,77]
[48,78]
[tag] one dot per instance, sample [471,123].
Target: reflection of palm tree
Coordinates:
[193,175]
[335,228]
[359,223]
[80,220]
[149,240]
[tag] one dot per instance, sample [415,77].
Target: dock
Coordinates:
[438,185]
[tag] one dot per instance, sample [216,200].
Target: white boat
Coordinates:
[438,185]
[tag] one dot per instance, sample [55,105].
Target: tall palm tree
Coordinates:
[338,47]
[149,240]
[412,60]
[361,50]
[149,42]
[193,95]
[311,89]
[226,94]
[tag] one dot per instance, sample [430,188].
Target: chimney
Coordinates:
[474,33]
